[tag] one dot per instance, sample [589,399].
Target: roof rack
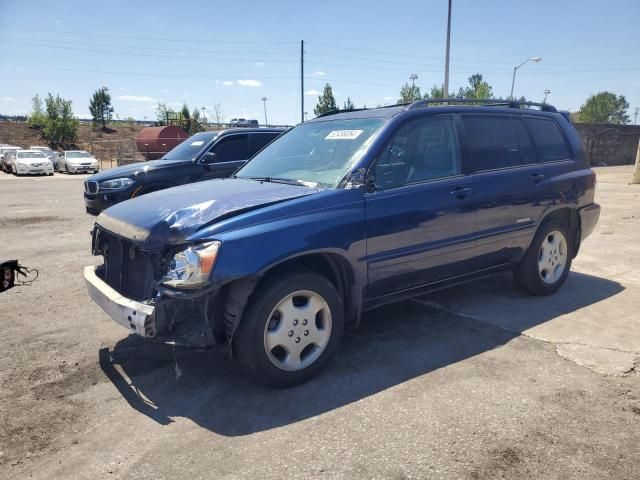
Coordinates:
[335,112]
[488,102]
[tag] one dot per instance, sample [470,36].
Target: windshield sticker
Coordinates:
[197,143]
[344,135]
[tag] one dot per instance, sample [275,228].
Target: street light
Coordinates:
[413,77]
[264,102]
[546,94]
[204,115]
[513,80]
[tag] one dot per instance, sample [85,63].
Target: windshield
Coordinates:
[78,155]
[30,155]
[191,147]
[314,154]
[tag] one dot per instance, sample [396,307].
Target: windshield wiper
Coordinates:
[288,181]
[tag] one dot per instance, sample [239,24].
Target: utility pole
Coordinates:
[302,80]
[264,101]
[445,89]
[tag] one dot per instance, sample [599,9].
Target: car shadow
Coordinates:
[393,344]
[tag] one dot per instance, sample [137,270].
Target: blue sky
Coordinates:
[235,53]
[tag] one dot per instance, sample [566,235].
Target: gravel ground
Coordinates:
[479,381]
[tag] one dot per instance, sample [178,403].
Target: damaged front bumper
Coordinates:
[137,317]
[184,321]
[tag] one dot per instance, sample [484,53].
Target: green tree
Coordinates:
[435,92]
[409,94]
[185,117]
[477,88]
[326,101]
[605,107]
[163,113]
[37,118]
[100,107]
[348,105]
[61,127]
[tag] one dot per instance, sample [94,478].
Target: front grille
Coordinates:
[84,164]
[91,187]
[128,269]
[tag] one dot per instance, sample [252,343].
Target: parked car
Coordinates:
[203,156]
[30,162]
[51,155]
[4,150]
[77,161]
[341,214]
[243,122]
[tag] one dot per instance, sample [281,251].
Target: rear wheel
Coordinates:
[545,266]
[290,330]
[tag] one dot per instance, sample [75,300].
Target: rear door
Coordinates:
[232,151]
[509,185]
[420,219]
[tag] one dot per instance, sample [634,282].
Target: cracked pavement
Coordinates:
[480,381]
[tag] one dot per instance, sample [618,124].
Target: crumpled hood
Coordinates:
[135,168]
[170,216]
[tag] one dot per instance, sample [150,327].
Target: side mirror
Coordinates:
[210,157]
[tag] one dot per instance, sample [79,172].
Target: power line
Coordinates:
[165,39]
[136,54]
[68,42]
[146,74]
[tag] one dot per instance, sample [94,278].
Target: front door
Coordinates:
[231,153]
[420,219]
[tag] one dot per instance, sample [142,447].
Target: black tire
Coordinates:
[249,338]
[527,274]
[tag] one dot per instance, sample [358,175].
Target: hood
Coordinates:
[31,161]
[169,216]
[134,169]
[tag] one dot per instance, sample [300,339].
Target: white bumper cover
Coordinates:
[137,317]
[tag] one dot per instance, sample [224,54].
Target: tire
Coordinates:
[547,262]
[274,324]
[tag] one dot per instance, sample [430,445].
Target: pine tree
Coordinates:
[326,101]
[348,105]
[100,106]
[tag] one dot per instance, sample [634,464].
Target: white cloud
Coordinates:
[227,82]
[136,98]
[9,99]
[249,83]
[318,74]
[312,92]
[259,64]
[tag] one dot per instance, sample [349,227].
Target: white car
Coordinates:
[30,162]
[77,161]
[51,155]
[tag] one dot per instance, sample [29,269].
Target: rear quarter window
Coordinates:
[548,139]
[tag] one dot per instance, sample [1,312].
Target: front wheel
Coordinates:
[545,266]
[290,330]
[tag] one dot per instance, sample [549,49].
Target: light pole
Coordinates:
[513,80]
[306,115]
[445,87]
[546,94]
[264,102]
[204,114]
[635,116]
[413,79]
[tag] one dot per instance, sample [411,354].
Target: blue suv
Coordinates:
[342,214]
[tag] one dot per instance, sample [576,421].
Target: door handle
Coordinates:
[536,177]
[461,192]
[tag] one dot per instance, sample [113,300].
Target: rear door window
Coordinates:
[259,140]
[496,142]
[231,148]
[548,139]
